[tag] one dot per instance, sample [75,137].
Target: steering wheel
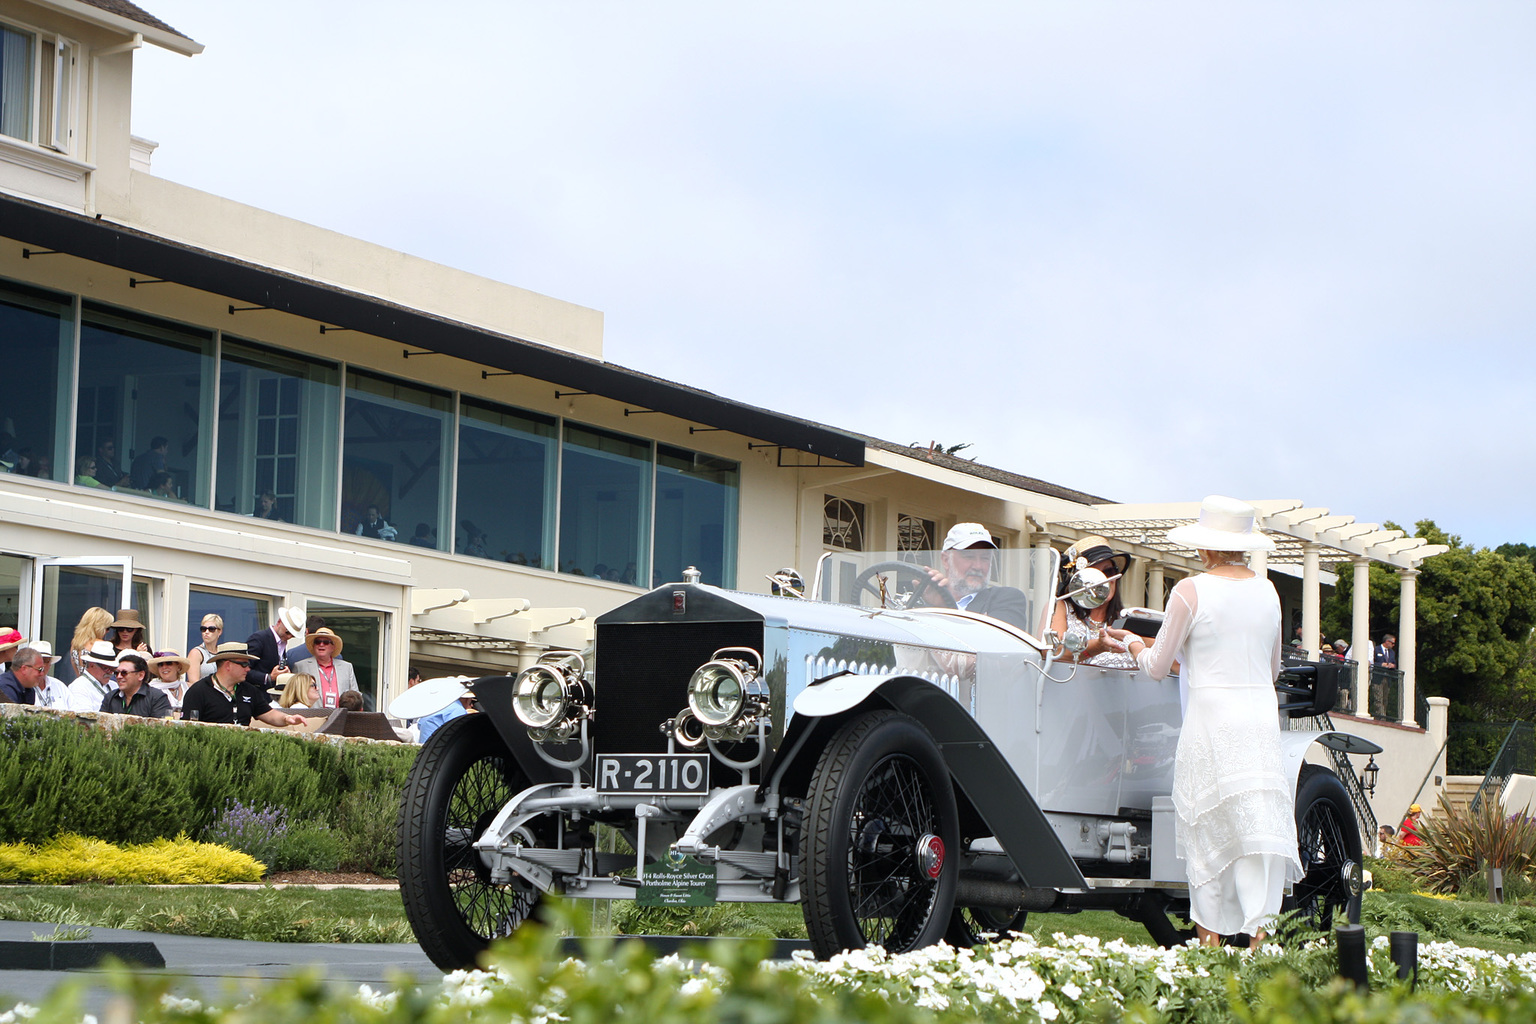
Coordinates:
[912,582]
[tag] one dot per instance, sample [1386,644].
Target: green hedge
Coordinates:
[145,782]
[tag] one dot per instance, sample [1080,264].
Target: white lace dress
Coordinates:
[1236,823]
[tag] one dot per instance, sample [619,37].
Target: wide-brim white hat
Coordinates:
[1226,524]
[292,616]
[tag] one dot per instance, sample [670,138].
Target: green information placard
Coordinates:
[681,883]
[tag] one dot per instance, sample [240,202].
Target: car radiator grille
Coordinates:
[642,676]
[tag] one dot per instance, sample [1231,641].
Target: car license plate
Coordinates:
[659,774]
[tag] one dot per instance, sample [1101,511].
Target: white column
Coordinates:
[1407,637]
[1133,587]
[1360,631]
[1155,587]
[1311,603]
[1258,561]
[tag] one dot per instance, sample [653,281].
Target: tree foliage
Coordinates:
[1476,610]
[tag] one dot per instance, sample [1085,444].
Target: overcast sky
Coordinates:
[1149,251]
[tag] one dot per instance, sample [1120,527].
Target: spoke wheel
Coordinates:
[462,777]
[1328,841]
[879,859]
[970,926]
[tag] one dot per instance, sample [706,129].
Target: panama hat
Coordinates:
[101,652]
[44,648]
[328,634]
[232,651]
[127,618]
[1225,524]
[166,658]
[1093,549]
[968,535]
[293,618]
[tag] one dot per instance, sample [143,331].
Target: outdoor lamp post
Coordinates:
[1368,776]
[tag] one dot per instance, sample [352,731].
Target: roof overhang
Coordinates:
[1291,524]
[138,252]
[94,15]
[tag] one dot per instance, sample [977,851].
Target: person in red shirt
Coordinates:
[1408,831]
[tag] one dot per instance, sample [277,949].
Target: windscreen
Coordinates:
[1012,585]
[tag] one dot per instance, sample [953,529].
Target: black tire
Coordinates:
[461,778]
[970,926]
[880,791]
[1328,841]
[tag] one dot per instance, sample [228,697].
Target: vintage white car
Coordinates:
[905,773]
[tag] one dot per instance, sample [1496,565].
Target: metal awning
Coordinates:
[1291,524]
[138,252]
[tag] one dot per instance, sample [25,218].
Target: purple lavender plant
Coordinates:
[256,832]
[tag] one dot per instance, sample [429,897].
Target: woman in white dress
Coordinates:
[1236,821]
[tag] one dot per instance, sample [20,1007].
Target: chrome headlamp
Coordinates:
[727,694]
[551,698]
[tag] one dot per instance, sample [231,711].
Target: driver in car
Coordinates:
[965,568]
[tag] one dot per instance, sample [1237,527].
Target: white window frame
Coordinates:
[63,91]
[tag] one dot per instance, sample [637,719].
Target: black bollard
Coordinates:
[1405,953]
[1350,940]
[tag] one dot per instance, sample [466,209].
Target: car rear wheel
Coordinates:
[879,857]
[1329,845]
[462,777]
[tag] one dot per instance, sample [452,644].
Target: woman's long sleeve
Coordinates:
[1156,660]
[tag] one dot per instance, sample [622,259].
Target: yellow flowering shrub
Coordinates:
[71,858]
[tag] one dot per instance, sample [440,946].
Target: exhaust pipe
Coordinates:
[1015,896]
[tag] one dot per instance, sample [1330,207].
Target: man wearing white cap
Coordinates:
[965,568]
[96,681]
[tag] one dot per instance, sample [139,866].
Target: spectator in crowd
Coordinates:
[1408,830]
[107,471]
[275,648]
[92,626]
[127,631]
[229,696]
[142,476]
[163,486]
[1386,654]
[25,464]
[10,641]
[200,658]
[1385,840]
[334,675]
[299,690]
[373,525]
[54,693]
[431,723]
[44,467]
[85,472]
[266,507]
[168,675]
[28,673]
[133,696]
[98,661]
[352,700]
[471,539]
[423,537]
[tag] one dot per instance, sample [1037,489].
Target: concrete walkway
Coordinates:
[220,968]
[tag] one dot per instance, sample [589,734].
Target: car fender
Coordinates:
[1294,747]
[980,772]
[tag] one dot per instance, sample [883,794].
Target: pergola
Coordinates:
[1303,535]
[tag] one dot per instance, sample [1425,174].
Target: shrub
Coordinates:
[1457,844]
[368,832]
[308,846]
[1391,876]
[256,832]
[69,859]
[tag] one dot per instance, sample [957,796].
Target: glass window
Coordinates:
[16,74]
[605,490]
[278,419]
[507,465]
[392,481]
[242,615]
[842,524]
[37,345]
[146,401]
[696,515]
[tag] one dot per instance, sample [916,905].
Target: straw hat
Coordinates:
[232,651]
[101,652]
[1093,549]
[1226,524]
[44,648]
[167,658]
[11,638]
[325,631]
[127,618]
[293,618]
